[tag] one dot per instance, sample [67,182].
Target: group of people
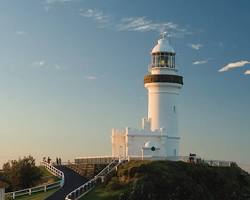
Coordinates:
[58,161]
[48,160]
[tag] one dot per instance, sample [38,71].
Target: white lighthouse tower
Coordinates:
[159,137]
[163,84]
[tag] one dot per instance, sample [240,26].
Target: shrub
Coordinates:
[22,173]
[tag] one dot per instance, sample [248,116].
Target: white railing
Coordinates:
[54,171]
[154,158]
[95,160]
[30,191]
[244,166]
[219,163]
[88,186]
[214,163]
[40,188]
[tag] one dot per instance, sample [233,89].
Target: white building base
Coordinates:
[144,144]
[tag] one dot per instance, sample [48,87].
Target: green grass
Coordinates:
[101,193]
[45,172]
[173,180]
[47,177]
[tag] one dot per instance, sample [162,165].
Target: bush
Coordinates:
[22,173]
[161,180]
[114,184]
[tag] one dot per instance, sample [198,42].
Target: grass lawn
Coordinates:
[100,193]
[47,177]
[38,196]
[44,171]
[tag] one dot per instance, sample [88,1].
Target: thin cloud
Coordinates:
[58,67]
[20,32]
[200,62]
[247,72]
[142,24]
[50,3]
[137,24]
[40,63]
[45,65]
[96,15]
[195,46]
[233,65]
[90,77]
[56,1]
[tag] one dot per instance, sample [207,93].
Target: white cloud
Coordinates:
[247,72]
[95,14]
[142,24]
[233,65]
[50,3]
[57,1]
[45,65]
[58,67]
[90,77]
[195,46]
[139,24]
[20,32]
[40,63]
[200,62]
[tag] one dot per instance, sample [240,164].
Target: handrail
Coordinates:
[54,171]
[30,191]
[44,187]
[88,186]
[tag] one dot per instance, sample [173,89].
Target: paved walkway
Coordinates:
[72,181]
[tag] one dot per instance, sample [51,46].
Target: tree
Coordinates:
[22,173]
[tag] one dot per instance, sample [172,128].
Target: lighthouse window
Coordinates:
[162,62]
[153,60]
[157,60]
[174,109]
[173,61]
[169,62]
[165,60]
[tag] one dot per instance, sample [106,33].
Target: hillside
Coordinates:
[163,180]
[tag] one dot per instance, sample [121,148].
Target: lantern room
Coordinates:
[163,54]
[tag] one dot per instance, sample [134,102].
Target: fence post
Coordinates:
[2,193]
[62,183]
[30,191]
[14,196]
[45,188]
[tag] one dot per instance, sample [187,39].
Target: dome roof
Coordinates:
[163,45]
[150,144]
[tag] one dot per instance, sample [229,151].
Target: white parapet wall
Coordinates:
[130,142]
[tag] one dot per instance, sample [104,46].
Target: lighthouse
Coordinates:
[158,137]
[163,84]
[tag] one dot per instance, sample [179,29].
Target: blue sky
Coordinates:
[71,70]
